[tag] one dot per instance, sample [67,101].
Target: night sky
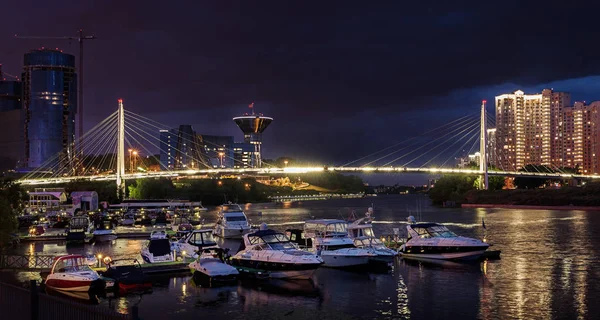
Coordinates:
[341,80]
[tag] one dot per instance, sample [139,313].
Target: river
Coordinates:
[548,270]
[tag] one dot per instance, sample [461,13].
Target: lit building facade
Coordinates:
[492,157]
[244,155]
[581,137]
[523,130]
[180,149]
[219,150]
[558,102]
[49,106]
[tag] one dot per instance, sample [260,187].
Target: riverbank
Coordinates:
[529,207]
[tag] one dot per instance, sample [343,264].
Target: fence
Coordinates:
[21,303]
[26,262]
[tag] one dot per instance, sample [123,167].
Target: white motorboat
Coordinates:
[330,241]
[210,266]
[106,232]
[194,242]
[272,253]
[80,228]
[435,241]
[158,248]
[232,222]
[361,232]
[71,273]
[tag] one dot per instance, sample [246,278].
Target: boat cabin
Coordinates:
[70,263]
[297,237]
[429,230]
[361,231]
[325,228]
[268,240]
[201,238]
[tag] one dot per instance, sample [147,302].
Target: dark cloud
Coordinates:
[341,78]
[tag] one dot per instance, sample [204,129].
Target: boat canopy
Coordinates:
[432,230]
[202,238]
[272,239]
[227,208]
[70,263]
[326,227]
[234,216]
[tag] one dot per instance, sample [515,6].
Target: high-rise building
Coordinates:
[492,157]
[11,123]
[581,137]
[523,128]
[219,150]
[49,105]
[181,149]
[168,141]
[558,102]
[244,155]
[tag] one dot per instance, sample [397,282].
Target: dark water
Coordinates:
[549,269]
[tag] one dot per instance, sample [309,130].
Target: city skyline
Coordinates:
[360,79]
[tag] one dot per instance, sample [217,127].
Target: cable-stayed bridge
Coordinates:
[102,154]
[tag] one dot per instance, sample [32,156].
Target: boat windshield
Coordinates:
[202,239]
[328,230]
[437,231]
[71,265]
[276,241]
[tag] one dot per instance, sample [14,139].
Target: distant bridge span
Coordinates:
[300,170]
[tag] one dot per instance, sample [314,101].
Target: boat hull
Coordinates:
[278,270]
[232,233]
[75,285]
[344,261]
[465,255]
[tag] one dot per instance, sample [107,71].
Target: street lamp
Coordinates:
[285,162]
[130,161]
[221,154]
[135,153]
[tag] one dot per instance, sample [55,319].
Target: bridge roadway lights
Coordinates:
[298,170]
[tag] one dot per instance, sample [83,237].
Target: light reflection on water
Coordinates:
[548,270]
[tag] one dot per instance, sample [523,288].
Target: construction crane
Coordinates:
[81,38]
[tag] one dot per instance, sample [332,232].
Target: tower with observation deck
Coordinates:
[253,125]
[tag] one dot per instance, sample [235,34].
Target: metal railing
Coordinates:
[26,262]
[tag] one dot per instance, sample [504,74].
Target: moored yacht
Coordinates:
[331,242]
[210,265]
[194,242]
[273,254]
[361,232]
[80,229]
[232,222]
[435,241]
[71,273]
[158,248]
[106,231]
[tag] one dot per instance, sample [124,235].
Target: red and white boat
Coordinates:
[71,273]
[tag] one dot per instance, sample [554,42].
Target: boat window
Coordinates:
[341,246]
[235,218]
[255,240]
[337,229]
[368,232]
[71,265]
[441,231]
[208,238]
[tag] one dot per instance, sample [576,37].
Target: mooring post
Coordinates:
[33,295]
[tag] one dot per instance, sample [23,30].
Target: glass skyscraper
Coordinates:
[49,105]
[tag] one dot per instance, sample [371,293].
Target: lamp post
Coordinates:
[285,162]
[135,153]
[221,154]
[130,160]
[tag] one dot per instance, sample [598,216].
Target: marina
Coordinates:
[488,288]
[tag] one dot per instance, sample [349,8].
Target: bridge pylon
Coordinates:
[483,156]
[120,151]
